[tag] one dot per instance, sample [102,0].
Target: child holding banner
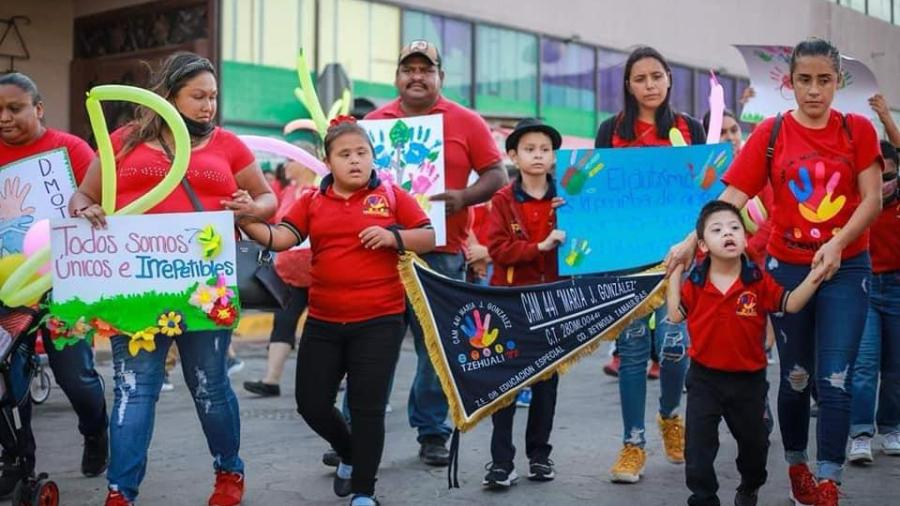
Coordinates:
[522,240]
[825,170]
[356,225]
[224,175]
[648,119]
[50,158]
[726,301]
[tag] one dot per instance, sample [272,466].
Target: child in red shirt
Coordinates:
[356,226]
[726,301]
[522,241]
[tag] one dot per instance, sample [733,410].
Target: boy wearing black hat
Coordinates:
[522,243]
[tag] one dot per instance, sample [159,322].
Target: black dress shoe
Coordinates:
[331,458]
[96,455]
[342,487]
[262,389]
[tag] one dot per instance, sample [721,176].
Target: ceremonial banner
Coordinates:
[488,342]
[770,76]
[410,153]
[145,274]
[626,207]
[33,189]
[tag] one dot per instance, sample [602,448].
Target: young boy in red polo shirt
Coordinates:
[522,241]
[726,300]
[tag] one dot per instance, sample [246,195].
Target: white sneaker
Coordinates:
[891,444]
[388,408]
[167,385]
[860,450]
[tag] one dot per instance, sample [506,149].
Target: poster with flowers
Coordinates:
[142,276]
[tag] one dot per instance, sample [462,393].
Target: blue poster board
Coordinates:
[625,207]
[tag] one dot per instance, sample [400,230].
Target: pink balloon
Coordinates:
[285,149]
[300,124]
[716,109]
[37,237]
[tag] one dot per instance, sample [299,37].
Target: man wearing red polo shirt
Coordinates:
[469,146]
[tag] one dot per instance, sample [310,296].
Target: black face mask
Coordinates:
[197,128]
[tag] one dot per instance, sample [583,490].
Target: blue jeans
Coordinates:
[879,351]
[138,380]
[820,343]
[633,346]
[427,408]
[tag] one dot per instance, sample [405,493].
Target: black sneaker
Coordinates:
[433,452]
[541,469]
[331,458]
[744,498]
[499,476]
[342,486]
[262,389]
[96,455]
[10,475]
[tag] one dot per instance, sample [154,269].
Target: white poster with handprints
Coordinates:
[33,189]
[770,76]
[410,153]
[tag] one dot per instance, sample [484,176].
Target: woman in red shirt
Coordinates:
[23,135]
[224,175]
[646,120]
[826,177]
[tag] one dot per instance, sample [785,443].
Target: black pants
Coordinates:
[284,327]
[537,432]
[367,353]
[739,398]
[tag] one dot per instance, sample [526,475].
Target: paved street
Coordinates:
[283,455]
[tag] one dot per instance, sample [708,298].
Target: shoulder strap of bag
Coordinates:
[773,138]
[192,195]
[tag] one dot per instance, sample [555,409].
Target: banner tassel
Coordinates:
[453,468]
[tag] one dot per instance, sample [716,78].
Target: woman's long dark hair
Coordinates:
[665,114]
[172,76]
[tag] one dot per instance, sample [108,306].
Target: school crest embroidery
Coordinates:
[376,205]
[746,304]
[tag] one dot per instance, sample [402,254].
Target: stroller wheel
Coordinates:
[46,493]
[40,386]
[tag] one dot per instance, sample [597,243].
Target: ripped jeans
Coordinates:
[819,344]
[633,345]
[138,381]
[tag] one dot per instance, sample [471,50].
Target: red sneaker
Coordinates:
[827,493]
[803,485]
[117,499]
[229,489]
[653,371]
[612,368]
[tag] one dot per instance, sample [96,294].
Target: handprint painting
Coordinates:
[409,152]
[31,190]
[624,207]
[769,68]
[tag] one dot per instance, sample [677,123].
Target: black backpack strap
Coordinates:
[845,122]
[773,138]
[192,195]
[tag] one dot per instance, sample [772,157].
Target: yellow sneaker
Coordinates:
[629,465]
[672,430]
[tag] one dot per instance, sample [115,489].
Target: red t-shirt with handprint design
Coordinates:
[814,179]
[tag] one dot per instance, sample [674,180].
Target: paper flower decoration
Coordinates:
[171,324]
[223,293]
[143,340]
[204,297]
[104,330]
[223,314]
[210,242]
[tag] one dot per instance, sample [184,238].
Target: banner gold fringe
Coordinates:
[415,293]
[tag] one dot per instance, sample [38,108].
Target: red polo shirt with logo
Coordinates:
[727,329]
[469,145]
[80,154]
[349,282]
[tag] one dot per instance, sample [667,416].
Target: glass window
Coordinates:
[507,72]
[857,5]
[880,9]
[454,40]
[289,25]
[682,93]
[897,12]
[611,80]
[567,87]
[364,37]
